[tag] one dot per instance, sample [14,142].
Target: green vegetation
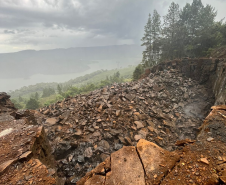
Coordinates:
[47,92]
[27,97]
[32,104]
[138,72]
[188,32]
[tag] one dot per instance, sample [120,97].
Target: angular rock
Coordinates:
[139,124]
[126,168]
[155,160]
[96,180]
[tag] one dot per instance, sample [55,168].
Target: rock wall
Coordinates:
[210,72]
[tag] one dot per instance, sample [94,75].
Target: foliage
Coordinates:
[48,92]
[82,84]
[151,40]
[137,72]
[190,31]
[95,77]
[17,104]
[116,77]
[36,96]
[59,88]
[32,104]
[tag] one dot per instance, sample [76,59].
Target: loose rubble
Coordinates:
[152,131]
[162,108]
[25,155]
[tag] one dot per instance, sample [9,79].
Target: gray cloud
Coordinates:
[47,23]
[9,32]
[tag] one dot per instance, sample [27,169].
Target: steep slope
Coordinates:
[162,108]
[145,132]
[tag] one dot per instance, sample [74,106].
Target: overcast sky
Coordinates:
[49,24]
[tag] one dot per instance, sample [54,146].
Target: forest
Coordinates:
[190,31]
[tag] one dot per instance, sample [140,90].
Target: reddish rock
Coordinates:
[96,180]
[157,162]
[126,168]
[139,124]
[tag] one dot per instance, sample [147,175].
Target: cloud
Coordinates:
[48,23]
[9,32]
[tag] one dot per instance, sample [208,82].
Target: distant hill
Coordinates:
[95,78]
[26,63]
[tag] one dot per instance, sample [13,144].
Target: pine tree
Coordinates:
[48,92]
[32,104]
[183,31]
[59,89]
[21,99]
[147,42]
[36,96]
[171,21]
[137,72]
[204,38]
[194,25]
[155,32]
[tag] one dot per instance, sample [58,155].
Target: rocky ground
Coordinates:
[162,108]
[25,154]
[145,132]
[199,162]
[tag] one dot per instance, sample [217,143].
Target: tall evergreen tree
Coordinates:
[21,99]
[59,89]
[155,33]
[194,26]
[171,21]
[147,42]
[36,96]
[204,38]
[32,104]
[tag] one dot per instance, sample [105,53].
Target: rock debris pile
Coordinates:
[200,162]
[152,131]
[25,154]
[162,108]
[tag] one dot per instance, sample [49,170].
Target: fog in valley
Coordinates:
[60,65]
[30,32]
[112,92]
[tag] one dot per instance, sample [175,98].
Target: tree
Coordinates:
[171,21]
[147,42]
[21,99]
[137,72]
[16,104]
[48,92]
[59,89]
[155,33]
[205,38]
[36,96]
[32,96]
[32,104]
